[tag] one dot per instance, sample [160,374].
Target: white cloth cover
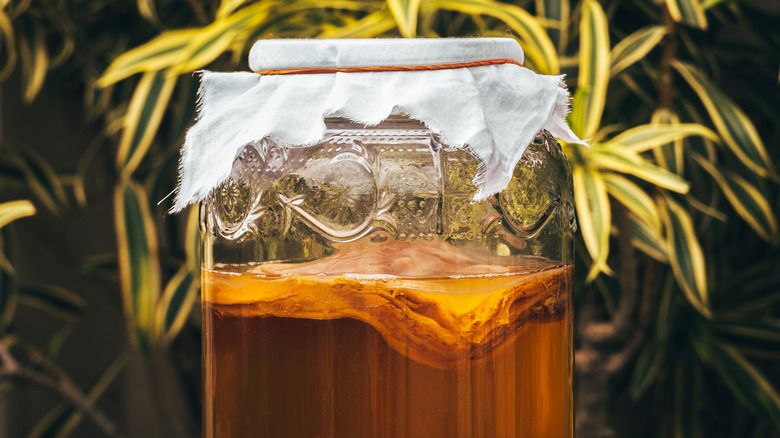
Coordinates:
[492,111]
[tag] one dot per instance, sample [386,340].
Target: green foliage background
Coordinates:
[677,196]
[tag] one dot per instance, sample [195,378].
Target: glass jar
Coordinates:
[355,289]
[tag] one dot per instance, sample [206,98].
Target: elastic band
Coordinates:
[297,71]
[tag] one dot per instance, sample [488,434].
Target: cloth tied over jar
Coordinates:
[472,92]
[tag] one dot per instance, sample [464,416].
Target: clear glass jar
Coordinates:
[355,289]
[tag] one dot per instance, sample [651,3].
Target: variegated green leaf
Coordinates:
[747,383]
[372,25]
[556,13]
[143,117]
[645,137]
[405,14]
[646,368]
[635,47]
[732,124]
[226,7]
[747,200]
[176,303]
[8,290]
[756,336]
[591,94]
[670,155]
[63,419]
[685,255]
[625,161]
[8,40]
[593,214]
[687,396]
[42,180]
[13,210]
[633,198]
[162,52]
[35,62]
[53,299]
[139,266]
[688,12]
[539,50]
[647,239]
[148,11]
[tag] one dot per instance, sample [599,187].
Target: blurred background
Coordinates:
[678,265]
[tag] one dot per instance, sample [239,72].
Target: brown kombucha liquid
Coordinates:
[289,352]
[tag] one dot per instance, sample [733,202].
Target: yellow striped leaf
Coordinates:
[688,12]
[646,137]
[226,7]
[685,255]
[669,155]
[628,162]
[8,39]
[747,383]
[732,124]
[164,51]
[54,300]
[35,62]
[139,265]
[591,94]
[372,25]
[8,290]
[556,13]
[633,198]
[747,200]
[13,210]
[405,14]
[539,50]
[635,47]
[146,109]
[148,11]
[647,239]
[179,295]
[594,216]
[42,180]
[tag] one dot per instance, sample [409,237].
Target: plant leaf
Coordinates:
[593,214]
[625,161]
[177,300]
[42,180]
[687,393]
[148,11]
[35,62]
[8,290]
[54,300]
[647,239]
[556,12]
[749,203]
[734,127]
[8,61]
[405,14]
[646,368]
[670,155]
[13,210]
[139,266]
[143,117]
[752,335]
[633,198]
[688,12]
[591,94]
[372,25]
[747,383]
[685,255]
[634,48]
[645,137]
[192,241]
[164,51]
[539,50]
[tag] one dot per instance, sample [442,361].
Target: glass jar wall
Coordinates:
[355,289]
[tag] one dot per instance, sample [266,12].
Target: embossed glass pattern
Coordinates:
[354,289]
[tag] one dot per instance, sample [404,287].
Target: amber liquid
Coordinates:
[357,357]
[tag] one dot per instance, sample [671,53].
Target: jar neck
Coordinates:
[395,121]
